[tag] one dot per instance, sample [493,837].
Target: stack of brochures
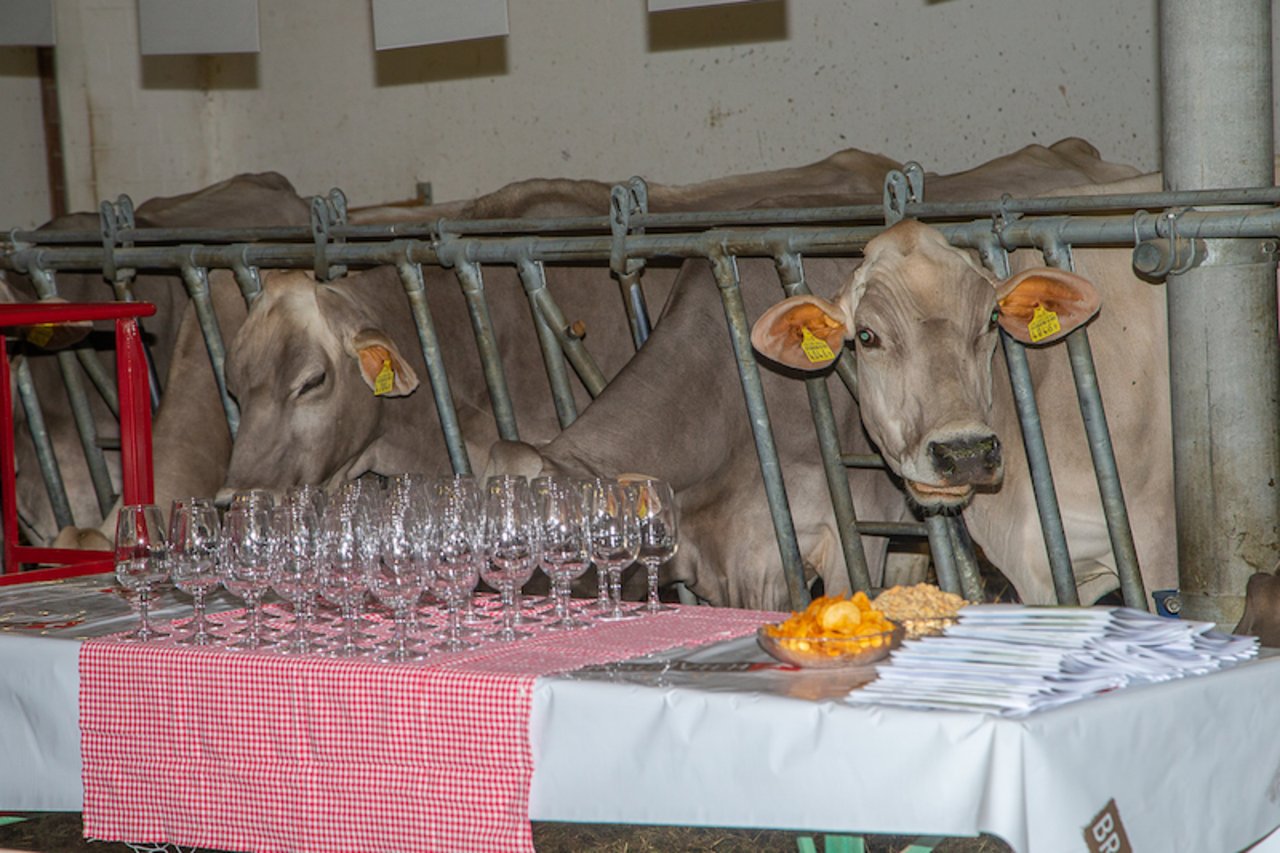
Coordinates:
[1011,660]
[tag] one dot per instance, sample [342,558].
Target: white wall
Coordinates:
[599,88]
[24,182]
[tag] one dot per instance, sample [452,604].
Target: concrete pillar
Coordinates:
[1224,361]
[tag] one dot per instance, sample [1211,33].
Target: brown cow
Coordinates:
[676,411]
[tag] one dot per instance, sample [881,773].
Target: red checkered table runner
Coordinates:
[266,752]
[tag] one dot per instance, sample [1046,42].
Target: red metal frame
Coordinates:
[135,433]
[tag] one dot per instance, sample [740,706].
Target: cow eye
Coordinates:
[995,318]
[312,383]
[868,339]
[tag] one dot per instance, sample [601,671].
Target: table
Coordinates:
[1191,765]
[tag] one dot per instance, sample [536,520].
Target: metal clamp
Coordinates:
[328,212]
[626,200]
[115,218]
[902,187]
[1169,253]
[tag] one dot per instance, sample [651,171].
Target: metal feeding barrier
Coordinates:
[1170,240]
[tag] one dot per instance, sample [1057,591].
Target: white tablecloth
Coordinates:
[1192,765]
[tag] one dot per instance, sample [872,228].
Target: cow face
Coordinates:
[307,369]
[923,320]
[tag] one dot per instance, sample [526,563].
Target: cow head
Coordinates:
[923,319]
[308,369]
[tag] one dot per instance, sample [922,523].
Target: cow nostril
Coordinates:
[943,457]
[993,454]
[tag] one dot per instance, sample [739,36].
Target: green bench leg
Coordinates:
[856,844]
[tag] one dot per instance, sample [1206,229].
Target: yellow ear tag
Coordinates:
[815,348]
[1043,324]
[40,334]
[385,380]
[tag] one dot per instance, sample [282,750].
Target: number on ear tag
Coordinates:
[385,380]
[1043,324]
[815,348]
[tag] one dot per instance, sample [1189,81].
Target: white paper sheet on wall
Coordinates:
[197,26]
[670,5]
[26,23]
[410,23]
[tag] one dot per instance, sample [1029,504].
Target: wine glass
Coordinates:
[295,537]
[398,573]
[655,509]
[511,544]
[615,540]
[247,566]
[455,552]
[141,560]
[195,541]
[585,487]
[344,552]
[566,543]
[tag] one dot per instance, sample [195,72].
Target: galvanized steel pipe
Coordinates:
[791,273]
[534,279]
[415,289]
[726,273]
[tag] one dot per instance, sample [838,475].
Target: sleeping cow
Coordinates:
[676,411]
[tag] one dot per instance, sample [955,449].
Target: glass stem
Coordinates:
[402,630]
[199,624]
[615,588]
[652,568]
[508,609]
[144,611]
[562,592]
[602,580]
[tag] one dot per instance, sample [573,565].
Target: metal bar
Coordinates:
[862,460]
[580,358]
[504,414]
[1104,466]
[1217,105]
[87,429]
[250,282]
[45,457]
[944,561]
[1256,195]
[726,273]
[966,561]
[8,464]
[626,201]
[1027,232]
[414,288]
[1055,536]
[893,528]
[81,410]
[197,281]
[534,278]
[1024,400]
[1101,450]
[791,273]
[136,476]
[97,374]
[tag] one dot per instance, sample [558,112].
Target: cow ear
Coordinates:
[1041,305]
[384,370]
[804,332]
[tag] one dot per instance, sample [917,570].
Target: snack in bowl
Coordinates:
[832,632]
[923,610]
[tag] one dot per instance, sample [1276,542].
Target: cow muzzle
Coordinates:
[958,465]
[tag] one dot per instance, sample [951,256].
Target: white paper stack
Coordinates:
[1011,660]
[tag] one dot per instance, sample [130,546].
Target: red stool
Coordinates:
[135,433]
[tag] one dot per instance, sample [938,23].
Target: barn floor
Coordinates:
[60,833]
